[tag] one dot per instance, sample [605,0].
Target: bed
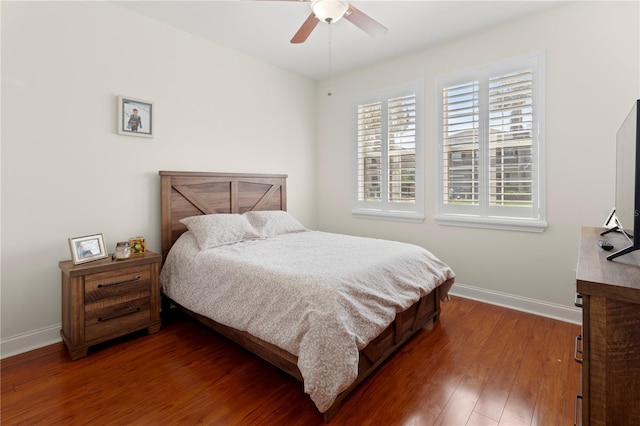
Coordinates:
[330,352]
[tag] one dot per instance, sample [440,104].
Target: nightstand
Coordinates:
[105,299]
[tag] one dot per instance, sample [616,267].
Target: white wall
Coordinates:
[592,78]
[67,173]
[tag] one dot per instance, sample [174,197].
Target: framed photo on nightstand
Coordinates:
[86,249]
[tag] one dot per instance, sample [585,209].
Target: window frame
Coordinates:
[384,209]
[484,215]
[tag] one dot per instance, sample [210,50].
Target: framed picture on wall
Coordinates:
[135,117]
[86,249]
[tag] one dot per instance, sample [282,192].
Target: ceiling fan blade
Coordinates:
[365,22]
[305,29]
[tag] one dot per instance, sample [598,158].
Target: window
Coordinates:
[389,154]
[491,145]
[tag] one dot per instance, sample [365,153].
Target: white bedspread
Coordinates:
[319,296]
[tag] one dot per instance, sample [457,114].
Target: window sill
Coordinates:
[397,216]
[508,224]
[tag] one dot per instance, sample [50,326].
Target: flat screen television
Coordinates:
[627,207]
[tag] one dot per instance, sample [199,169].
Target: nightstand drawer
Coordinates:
[116,283]
[102,320]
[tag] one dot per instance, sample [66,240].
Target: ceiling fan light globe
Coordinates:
[329,11]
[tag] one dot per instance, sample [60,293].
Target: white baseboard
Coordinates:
[519,303]
[26,342]
[49,335]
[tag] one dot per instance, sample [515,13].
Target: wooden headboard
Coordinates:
[185,194]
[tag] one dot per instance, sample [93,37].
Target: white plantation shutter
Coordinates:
[402,149]
[369,151]
[511,139]
[491,144]
[461,142]
[389,154]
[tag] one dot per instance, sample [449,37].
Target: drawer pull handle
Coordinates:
[576,349]
[578,301]
[121,314]
[576,411]
[138,278]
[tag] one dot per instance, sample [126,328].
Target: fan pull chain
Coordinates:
[330,61]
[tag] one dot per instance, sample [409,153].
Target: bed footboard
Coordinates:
[424,312]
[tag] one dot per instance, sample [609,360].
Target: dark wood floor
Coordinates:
[480,365]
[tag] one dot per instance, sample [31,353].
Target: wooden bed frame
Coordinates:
[186,194]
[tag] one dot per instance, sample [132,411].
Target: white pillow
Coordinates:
[270,223]
[214,230]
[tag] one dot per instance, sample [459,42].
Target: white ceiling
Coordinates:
[263,28]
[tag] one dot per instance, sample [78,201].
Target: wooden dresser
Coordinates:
[610,332]
[105,299]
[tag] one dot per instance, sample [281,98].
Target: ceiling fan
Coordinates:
[331,11]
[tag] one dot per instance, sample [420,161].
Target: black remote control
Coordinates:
[605,245]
